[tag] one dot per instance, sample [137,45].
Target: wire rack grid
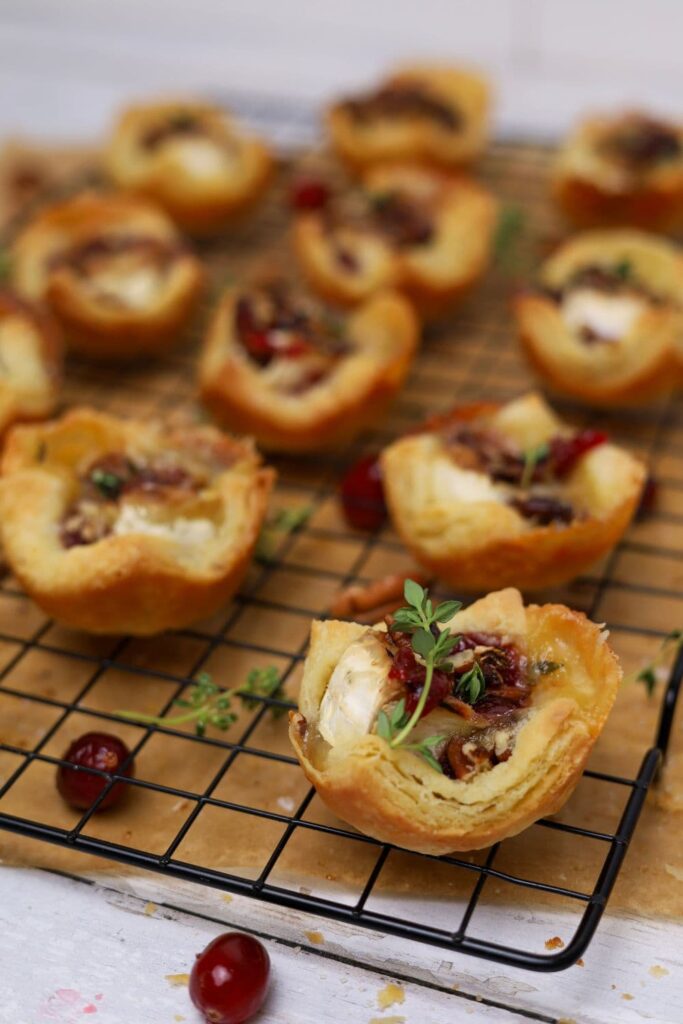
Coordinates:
[231,810]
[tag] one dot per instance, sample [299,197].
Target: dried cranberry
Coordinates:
[309,194]
[565,452]
[93,750]
[229,979]
[409,671]
[543,510]
[362,494]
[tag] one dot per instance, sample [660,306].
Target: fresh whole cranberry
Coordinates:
[362,494]
[309,194]
[565,452]
[99,750]
[229,979]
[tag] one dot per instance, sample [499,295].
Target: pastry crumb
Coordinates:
[658,972]
[317,938]
[580,963]
[387,1020]
[150,908]
[178,980]
[226,897]
[178,1017]
[627,996]
[390,995]
[554,943]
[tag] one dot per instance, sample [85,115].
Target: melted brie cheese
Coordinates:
[465,484]
[202,158]
[183,530]
[135,288]
[358,688]
[609,316]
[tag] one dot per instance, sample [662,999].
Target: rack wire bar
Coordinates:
[472,358]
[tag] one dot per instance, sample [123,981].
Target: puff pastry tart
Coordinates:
[427,233]
[605,324]
[488,494]
[117,526]
[192,160]
[30,361]
[279,366]
[114,271]
[623,170]
[498,741]
[424,113]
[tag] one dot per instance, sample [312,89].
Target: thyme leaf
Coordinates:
[532,457]
[281,522]
[670,648]
[206,703]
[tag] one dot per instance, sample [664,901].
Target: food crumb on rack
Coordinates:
[317,938]
[387,1020]
[390,995]
[150,908]
[178,1017]
[554,943]
[226,897]
[627,996]
[177,980]
[657,971]
[580,963]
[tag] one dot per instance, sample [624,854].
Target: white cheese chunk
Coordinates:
[135,288]
[183,530]
[610,316]
[202,157]
[465,484]
[359,686]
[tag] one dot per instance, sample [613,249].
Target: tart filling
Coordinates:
[640,144]
[165,495]
[404,100]
[290,338]
[488,466]
[122,270]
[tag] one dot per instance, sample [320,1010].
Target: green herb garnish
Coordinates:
[472,685]
[532,457]
[108,484]
[207,704]
[670,648]
[433,645]
[508,230]
[281,522]
[623,270]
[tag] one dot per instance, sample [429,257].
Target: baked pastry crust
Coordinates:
[437,115]
[465,527]
[622,170]
[166,550]
[644,356]
[114,272]
[191,159]
[346,259]
[30,361]
[375,346]
[395,796]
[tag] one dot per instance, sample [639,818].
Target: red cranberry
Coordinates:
[362,494]
[93,750]
[229,979]
[566,451]
[309,194]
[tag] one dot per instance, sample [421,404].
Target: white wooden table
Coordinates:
[119,949]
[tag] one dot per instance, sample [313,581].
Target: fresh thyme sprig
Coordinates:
[208,704]
[532,457]
[280,522]
[472,684]
[669,650]
[433,645]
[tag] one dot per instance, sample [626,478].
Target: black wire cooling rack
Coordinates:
[475,357]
